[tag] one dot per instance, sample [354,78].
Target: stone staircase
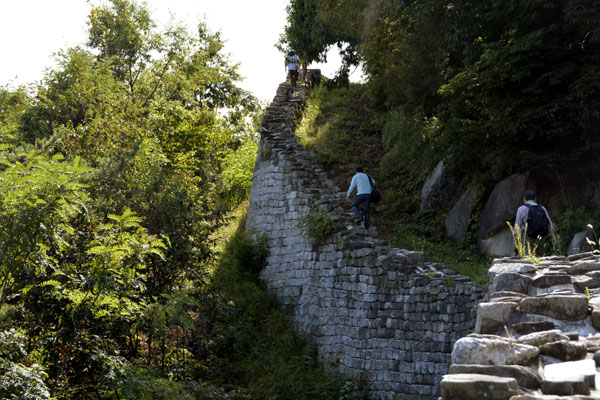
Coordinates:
[384,314]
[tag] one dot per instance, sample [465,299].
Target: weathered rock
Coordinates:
[597,358]
[581,256]
[596,316]
[540,338]
[568,370]
[581,268]
[592,343]
[547,280]
[500,243]
[526,377]
[477,349]
[515,300]
[579,243]
[593,274]
[501,205]
[530,327]
[572,335]
[585,281]
[556,289]
[492,317]
[564,350]
[566,387]
[502,294]
[457,221]
[512,282]
[477,387]
[517,265]
[563,307]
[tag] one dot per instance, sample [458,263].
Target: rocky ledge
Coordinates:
[537,336]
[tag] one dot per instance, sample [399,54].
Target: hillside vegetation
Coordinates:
[344,129]
[118,174]
[491,88]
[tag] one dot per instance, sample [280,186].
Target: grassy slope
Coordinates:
[343,130]
[250,346]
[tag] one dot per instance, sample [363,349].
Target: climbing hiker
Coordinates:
[291,61]
[363,185]
[535,223]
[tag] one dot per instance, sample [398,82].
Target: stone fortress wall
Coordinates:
[381,313]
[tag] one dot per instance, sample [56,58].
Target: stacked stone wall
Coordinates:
[377,312]
[538,336]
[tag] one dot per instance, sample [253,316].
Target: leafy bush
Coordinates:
[38,198]
[317,225]
[248,253]
[17,379]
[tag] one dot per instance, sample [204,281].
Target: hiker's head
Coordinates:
[359,169]
[529,195]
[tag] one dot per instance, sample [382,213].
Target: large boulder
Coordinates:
[501,207]
[457,221]
[579,243]
[499,244]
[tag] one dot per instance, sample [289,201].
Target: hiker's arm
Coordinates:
[352,186]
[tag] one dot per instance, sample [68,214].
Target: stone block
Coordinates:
[583,267]
[562,307]
[477,387]
[526,377]
[540,338]
[512,282]
[567,370]
[492,317]
[547,280]
[564,350]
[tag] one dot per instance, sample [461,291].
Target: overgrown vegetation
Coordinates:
[489,87]
[317,225]
[116,173]
[346,130]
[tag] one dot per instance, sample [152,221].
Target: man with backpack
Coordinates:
[535,223]
[364,186]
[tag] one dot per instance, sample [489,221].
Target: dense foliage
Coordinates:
[498,76]
[490,87]
[115,173]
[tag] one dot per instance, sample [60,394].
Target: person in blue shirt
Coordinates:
[360,182]
[292,62]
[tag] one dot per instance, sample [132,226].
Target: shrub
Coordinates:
[248,253]
[317,225]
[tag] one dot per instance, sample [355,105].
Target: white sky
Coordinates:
[31,31]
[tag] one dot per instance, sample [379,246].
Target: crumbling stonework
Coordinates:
[383,313]
[542,320]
